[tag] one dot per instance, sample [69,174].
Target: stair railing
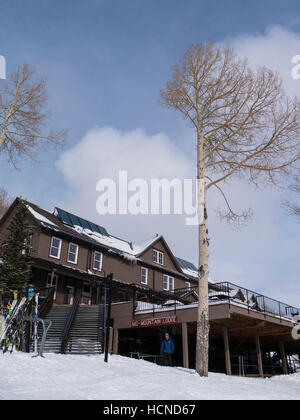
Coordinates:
[47,303]
[101,318]
[69,322]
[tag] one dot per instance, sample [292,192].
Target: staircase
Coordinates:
[87,334]
[58,314]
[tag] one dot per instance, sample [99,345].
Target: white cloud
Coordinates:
[102,153]
[275,49]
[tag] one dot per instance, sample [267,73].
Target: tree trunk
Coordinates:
[202,339]
[202,320]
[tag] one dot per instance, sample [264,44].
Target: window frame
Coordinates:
[146,275]
[101,261]
[59,249]
[76,254]
[158,253]
[187,285]
[168,283]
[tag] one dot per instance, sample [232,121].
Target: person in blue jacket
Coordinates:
[167,349]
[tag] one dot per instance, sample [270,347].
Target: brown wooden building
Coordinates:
[153,292]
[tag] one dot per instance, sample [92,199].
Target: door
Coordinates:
[70,295]
[86,294]
[52,281]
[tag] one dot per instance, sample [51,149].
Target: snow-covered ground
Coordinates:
[88,377]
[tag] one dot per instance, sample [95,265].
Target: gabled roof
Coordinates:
[161,239]
[81,229]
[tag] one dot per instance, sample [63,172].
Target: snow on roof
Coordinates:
[187,267]
[128,248]
[40,217]
[190,272]
[140,247]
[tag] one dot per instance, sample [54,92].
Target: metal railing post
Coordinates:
[133,300]
[228,294]
[108,321]
[279,311]
[248,301]
[175,302]
[152,294]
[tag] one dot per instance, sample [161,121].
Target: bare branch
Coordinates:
[293,208]
[237,220]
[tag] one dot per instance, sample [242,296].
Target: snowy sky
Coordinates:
[106,62]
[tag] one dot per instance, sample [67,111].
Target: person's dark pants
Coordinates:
[167,359]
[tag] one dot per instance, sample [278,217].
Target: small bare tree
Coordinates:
[22,119]
[245,127]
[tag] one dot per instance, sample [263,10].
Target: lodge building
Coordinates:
[152,292]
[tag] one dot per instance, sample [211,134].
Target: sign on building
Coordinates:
[155,322]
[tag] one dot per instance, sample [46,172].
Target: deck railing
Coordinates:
[152,301]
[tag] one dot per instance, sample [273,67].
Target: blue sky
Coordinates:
[105,62]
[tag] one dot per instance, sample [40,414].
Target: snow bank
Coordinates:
[88,377]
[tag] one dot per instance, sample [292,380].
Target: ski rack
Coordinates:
[46,325]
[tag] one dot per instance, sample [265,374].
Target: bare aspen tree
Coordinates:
[245,127]
[22,117]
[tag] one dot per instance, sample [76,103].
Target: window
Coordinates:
[158,257]
[168,283]
[188,285]
[55,247]
[97,261]
[73,253]
[144,275]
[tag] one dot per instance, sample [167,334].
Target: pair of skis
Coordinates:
[11,317]
[12,330]
[10,335]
